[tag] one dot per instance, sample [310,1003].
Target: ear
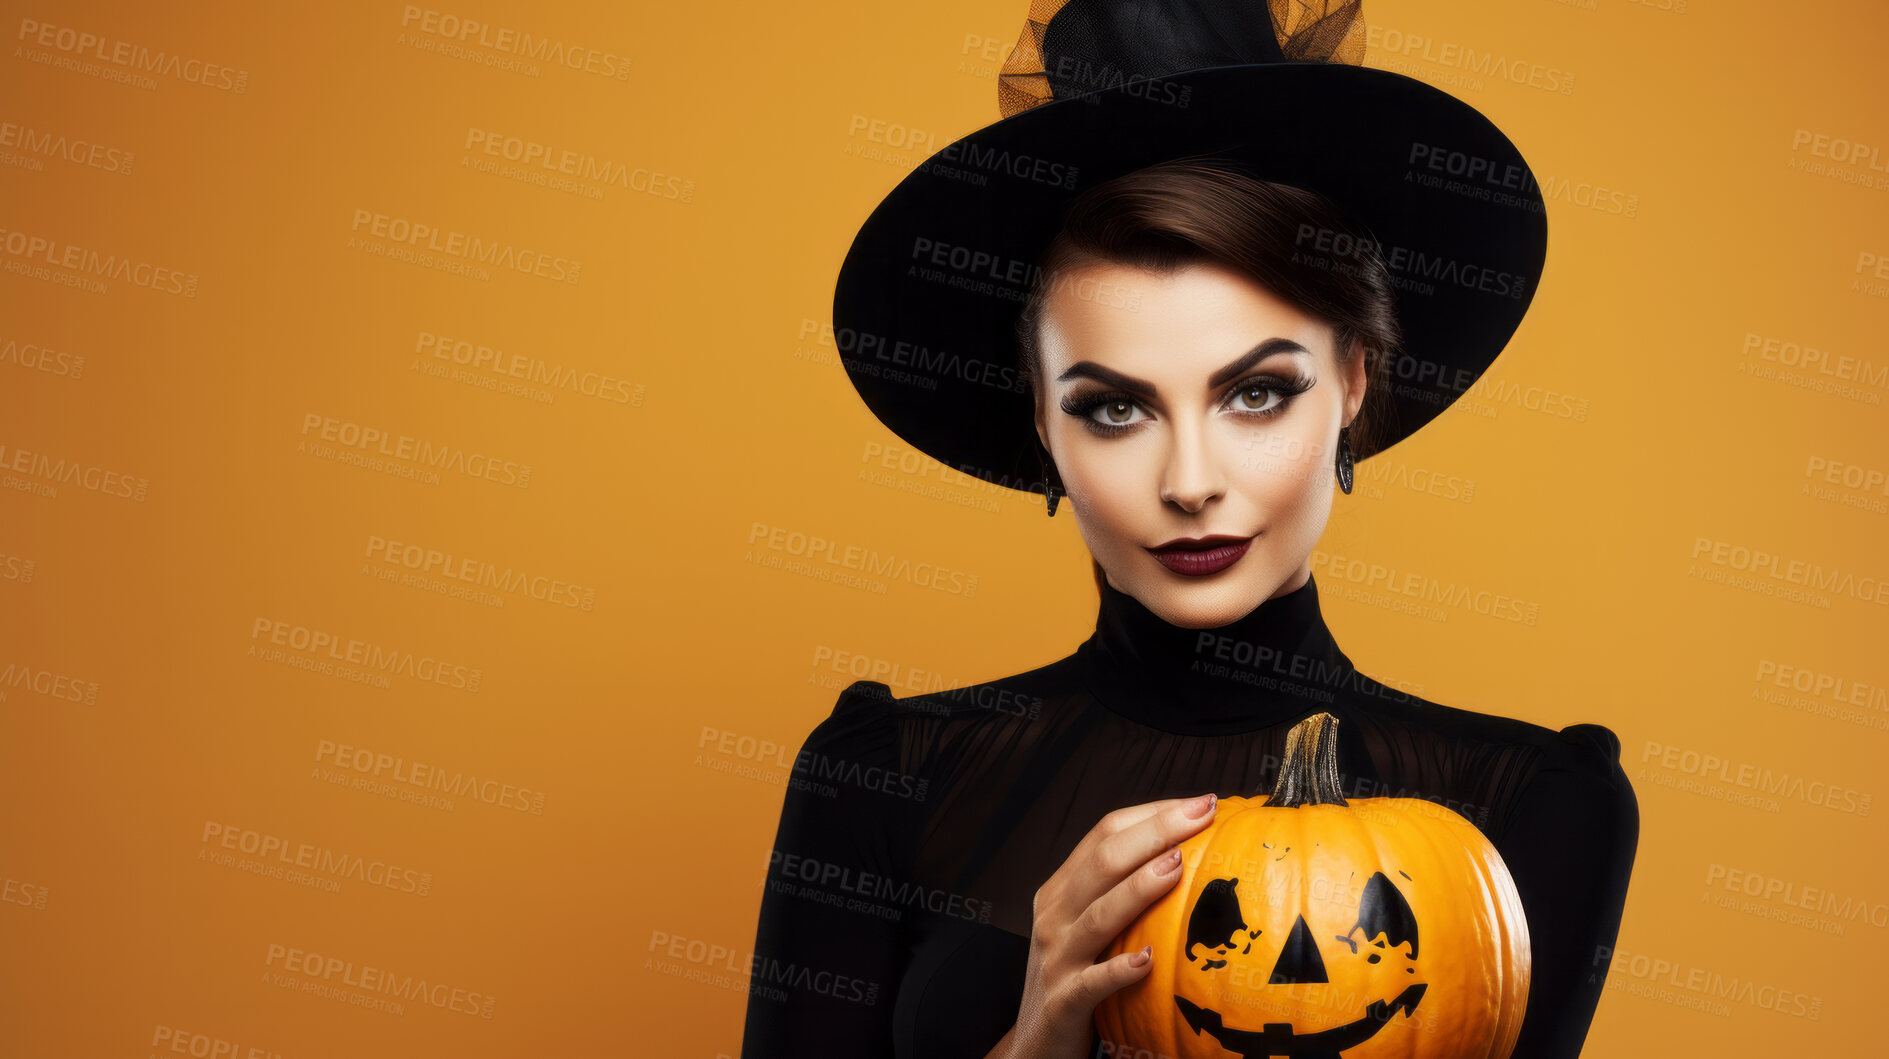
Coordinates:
[1042,424]
[1356,379]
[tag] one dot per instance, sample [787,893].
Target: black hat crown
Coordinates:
[1074,47]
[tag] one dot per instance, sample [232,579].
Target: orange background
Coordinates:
[746,144]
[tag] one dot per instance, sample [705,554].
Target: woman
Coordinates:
[1198,348]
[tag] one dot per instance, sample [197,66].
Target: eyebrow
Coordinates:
[1108,376]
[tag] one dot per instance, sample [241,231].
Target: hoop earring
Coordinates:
[1345,459]
[1052,483]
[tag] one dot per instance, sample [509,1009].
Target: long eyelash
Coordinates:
[1286,386]
[1080,407]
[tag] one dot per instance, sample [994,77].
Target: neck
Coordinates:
[1269,667]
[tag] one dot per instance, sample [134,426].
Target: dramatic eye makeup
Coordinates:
[1261,395]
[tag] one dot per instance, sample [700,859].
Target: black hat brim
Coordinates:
[927,299]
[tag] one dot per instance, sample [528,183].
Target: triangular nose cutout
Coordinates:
[1300,962]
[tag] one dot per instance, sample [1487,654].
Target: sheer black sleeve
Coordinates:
[1569,845]
[823,972]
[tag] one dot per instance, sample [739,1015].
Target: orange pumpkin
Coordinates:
[1295,930]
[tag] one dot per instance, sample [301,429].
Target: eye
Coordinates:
[1115,413]
[1106,414]
[1216,925]
[1257,398]
[1267,395]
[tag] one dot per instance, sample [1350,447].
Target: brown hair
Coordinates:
[1190,211]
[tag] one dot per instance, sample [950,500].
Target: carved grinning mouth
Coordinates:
[1280,1039]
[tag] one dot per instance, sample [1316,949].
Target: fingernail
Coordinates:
[1202,806]
[1169,862]
[1141,958]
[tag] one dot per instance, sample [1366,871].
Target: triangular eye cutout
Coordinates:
[1300,961]
[1383,910]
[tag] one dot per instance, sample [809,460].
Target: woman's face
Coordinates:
[1196,405]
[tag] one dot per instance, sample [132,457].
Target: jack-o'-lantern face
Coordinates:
[1220,942]
[1308,926]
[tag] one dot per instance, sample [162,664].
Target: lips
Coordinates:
[1201,556]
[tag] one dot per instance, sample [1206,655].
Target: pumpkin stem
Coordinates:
[1309,773]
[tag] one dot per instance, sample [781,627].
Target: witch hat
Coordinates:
[928,297]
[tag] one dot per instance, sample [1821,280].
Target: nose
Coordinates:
[1300,962]
[1192,476]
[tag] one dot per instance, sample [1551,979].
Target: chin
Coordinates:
[1195,603]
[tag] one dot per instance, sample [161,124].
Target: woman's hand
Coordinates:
[1118,869]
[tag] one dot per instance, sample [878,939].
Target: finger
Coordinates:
[1116,855]
[1128,816]
[1097,981]
[1122,819]
[1107,916]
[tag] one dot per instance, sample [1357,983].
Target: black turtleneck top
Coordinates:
[896,915]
